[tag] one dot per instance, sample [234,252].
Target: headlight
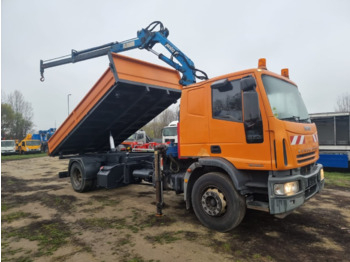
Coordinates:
[321,174]
[286,189]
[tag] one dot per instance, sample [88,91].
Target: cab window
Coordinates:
[227,103]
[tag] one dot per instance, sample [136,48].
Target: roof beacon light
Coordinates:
[262,63]
[285,72]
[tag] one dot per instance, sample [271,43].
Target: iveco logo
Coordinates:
[307,128]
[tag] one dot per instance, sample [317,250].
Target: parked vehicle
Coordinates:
[169,133]
[245,139]
[139,141]
[334,138]
[29,145]
[8,147]
[44,136]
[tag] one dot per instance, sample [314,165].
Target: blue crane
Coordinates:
[44,136]
[146,39]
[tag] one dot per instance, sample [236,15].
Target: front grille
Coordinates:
[302,158]
[306,155]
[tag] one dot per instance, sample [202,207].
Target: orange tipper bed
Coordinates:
[126,97]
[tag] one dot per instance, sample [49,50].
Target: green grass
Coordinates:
[14,216]
[20,157]
[50,236]
[340,179]
[4,207]
[164,238]
[105,201]
[103,223]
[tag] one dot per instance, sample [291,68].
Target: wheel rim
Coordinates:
[77,177]
[213,202]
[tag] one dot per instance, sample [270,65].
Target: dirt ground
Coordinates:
[43,219]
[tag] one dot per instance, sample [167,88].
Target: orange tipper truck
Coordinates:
[245,139]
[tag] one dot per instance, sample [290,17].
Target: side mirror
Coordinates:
[222,85]
[248,83]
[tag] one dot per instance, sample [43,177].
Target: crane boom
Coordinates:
[146,39]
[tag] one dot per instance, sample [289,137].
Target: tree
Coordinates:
[21,118]
[7,120]
[154,128]
[343,103]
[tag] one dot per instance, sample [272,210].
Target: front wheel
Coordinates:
[216,202]
[78,180]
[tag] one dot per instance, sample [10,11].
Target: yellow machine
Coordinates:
[27,145]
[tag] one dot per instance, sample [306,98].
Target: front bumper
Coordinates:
[8,152]
[309,185]
[38,150]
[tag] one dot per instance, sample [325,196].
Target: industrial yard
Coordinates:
[44,219]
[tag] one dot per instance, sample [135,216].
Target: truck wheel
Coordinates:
[77,179]
[216,202]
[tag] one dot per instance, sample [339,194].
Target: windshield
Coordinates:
[170,131]
[7,143]
[285,100]
[33,143]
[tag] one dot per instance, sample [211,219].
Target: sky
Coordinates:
[311,38]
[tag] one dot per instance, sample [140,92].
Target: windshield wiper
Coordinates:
[305,120]
[291,118]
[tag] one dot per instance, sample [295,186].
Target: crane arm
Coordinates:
[146,39]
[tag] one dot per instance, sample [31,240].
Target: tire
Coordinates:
[216,202]
[77,178]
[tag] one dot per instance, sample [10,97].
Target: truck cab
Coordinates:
[8,147]
[29,145]
[254,126]
[169,133]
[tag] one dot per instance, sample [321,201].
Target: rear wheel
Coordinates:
[216,202]
[78,180]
